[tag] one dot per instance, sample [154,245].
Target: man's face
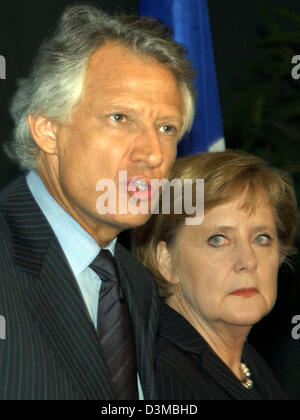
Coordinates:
[129,119]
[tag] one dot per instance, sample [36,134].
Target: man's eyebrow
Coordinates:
[176,118]
[121,108]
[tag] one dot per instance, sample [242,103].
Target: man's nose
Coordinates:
[245,259]
[147,148]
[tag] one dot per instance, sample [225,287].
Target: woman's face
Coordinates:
[225,269]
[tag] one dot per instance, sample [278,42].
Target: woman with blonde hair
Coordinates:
[219,278]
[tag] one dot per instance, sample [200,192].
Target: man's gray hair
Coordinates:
[56,82]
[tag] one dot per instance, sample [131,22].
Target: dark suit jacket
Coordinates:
[188,369]
[51,349]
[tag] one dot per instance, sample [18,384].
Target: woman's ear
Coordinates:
[43,131]
[164,262]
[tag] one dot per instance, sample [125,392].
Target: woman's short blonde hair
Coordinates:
[226,175]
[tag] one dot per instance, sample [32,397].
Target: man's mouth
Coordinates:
[139,189]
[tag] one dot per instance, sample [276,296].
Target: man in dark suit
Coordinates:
[107,96]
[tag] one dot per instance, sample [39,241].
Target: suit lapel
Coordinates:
[223,376]
[262,375]
[143,302]
[56,303]
[180,332]
[55,300]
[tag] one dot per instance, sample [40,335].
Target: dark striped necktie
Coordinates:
[114,328]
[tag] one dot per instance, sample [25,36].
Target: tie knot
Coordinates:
[104,265]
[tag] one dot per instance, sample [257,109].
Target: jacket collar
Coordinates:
[177,330]
[31,234]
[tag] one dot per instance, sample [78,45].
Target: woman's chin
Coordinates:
[246,314]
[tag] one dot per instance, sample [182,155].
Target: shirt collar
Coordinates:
[79,247]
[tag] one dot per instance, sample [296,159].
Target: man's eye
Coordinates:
[168,129]
[263,239]
[118,117]
[217,240]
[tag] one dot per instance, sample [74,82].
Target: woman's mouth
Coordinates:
[245,292]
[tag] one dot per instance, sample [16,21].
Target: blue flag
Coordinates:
[189,20]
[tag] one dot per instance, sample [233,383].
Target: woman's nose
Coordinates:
[245,258]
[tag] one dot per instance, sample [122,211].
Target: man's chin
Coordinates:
[131,221]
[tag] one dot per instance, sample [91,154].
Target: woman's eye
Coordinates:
[263,239]
[217,240]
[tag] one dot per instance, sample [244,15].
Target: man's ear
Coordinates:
[44,132]
[164,262]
